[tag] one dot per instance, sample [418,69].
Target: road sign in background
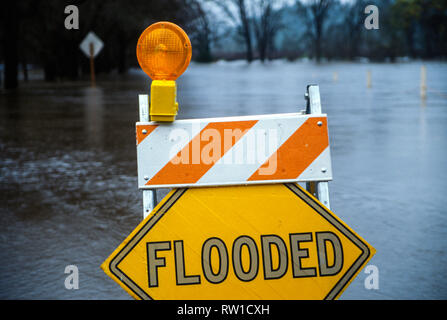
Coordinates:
[244,242]
[234,150]
[91,46]
[95,41]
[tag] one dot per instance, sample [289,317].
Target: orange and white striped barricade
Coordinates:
[276,148]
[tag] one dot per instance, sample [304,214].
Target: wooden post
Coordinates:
[335,76]
[368,79]
[423,82]
[92,64]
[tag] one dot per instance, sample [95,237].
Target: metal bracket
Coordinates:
[319,189]
[149,196]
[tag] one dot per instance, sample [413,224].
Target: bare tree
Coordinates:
[266,23]
[10,21]
[203,28]
[353,22]
[237,11]
[316,13]
[203,33]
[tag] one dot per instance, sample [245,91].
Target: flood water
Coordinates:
[68,173]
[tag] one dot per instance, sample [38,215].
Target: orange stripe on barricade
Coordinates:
[141,135]
[195,159]
[297,152]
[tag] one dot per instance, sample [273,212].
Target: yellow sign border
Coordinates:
[110,266]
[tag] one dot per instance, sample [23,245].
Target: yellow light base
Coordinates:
[163,106]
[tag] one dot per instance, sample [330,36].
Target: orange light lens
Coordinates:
[164,51]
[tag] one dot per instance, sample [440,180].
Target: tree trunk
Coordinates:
[246,30]
[319,11]
[318,46]
[122,60]
[49,70]
[410,41]
[24,70]
[10,43]
[204,34]
[247,36]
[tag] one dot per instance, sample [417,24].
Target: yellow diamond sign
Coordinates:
[243,242]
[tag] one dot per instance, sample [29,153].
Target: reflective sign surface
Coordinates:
[244,242]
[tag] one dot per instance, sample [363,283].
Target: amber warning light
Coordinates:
[163,52]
